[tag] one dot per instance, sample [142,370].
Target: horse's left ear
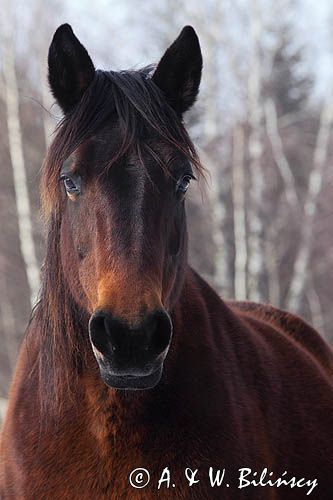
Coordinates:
[70,68]
[178,73]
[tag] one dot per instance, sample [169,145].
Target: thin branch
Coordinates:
[279,156]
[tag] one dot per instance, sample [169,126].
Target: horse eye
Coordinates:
[70,185]
[184,184]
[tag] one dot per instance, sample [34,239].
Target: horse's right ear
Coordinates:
[70,68]
[178,73]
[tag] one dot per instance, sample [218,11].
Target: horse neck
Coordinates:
[196,334]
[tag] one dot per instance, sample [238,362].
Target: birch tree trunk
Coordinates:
[220,176]
[218,214]
[27,244]
[301,269]
[278,153]
[316,311]
[256,259]
[48,126]
[238,194]
[40,41]
[273,281]
[7,319]
[3,408]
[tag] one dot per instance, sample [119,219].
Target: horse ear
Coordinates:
[178,73]
[70,68]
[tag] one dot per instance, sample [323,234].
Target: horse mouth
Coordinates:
[132,382]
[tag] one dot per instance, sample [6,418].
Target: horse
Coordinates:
[135,380]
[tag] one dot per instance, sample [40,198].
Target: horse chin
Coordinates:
[132,382]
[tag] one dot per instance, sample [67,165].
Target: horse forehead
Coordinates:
[148,152]
[150,158]
[132,176]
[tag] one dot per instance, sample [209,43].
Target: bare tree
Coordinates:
[18,164]
[3,408]
[301,270]
[238,195]
[210,138]
[317,316]
[40,42]
[215,38]
[278,153]
[256,259]
[7,317]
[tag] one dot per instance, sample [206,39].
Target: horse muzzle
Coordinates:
[130,358]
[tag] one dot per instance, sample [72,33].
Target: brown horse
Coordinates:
[131,360]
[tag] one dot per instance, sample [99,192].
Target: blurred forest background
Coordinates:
[263,227]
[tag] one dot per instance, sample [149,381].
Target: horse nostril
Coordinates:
[107,334]
[98,332]
[159,330]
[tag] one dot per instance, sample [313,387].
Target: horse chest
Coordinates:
[164,458]
[156,453]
